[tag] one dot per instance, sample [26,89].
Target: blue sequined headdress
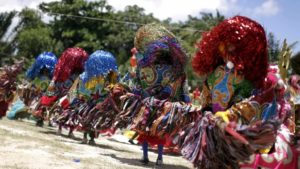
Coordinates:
[100,63]
[45,60]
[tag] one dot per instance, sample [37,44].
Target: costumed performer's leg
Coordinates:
[145,159]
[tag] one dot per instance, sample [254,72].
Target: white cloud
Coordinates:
[9,5]
[268,8]
[175,9]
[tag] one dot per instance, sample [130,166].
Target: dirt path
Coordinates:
[23,145]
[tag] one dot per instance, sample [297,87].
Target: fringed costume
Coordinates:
[39,76]
[160,78]
[67,70]
[242,99]
[8,78]
[100,71]
[242,103]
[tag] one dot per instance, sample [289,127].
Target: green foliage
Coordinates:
[190,33]
[116,37]
[295,63]
[5,21]
[6,48]
[273,48]
[29,18]
[95,25]
[33,36]
[33,41]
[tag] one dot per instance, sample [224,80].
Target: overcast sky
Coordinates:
[279,16]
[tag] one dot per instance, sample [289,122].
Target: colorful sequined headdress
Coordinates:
[157,46]
[45,60]
[71,61]
[239,40]
[98,66]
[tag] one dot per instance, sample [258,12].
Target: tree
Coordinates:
[33,36]
[95,25]
[33,41]
[6,48]
[295,63]
[190,33]
[273,48]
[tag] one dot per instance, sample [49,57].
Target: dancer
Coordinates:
[285,154]
[8,78]
[160,75]
[294,87]
[67,70]
[38,76]
[100,71]
[240,111]
[241,90]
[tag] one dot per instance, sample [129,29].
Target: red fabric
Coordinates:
[169,142]
[152,140]
[3,108]
[38,113]
[48,100]
[133,61]
[65,103]
[196,93]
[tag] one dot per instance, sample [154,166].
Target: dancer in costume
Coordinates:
[100,71]
[41,72]
[285,154]
[240,111]
[242,90]
[294,86]
[8,78]
[67,70]
[39,76]
[160,75]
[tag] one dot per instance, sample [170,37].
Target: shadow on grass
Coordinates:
[151,164]
[111,148]
[166,152]
[151,149]
[80,141]
[54,132]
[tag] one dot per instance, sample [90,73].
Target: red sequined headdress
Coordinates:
[239,40]
[71,61]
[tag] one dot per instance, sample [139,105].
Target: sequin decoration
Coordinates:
[100,63]
[238,39]
[149,33]
[71,61]
[101,67]
[45,62]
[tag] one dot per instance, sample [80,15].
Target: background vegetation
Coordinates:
[93,26]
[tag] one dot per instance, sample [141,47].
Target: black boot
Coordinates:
[40,122]
[84,140]
[92,138]
[144,161]
[92,142]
